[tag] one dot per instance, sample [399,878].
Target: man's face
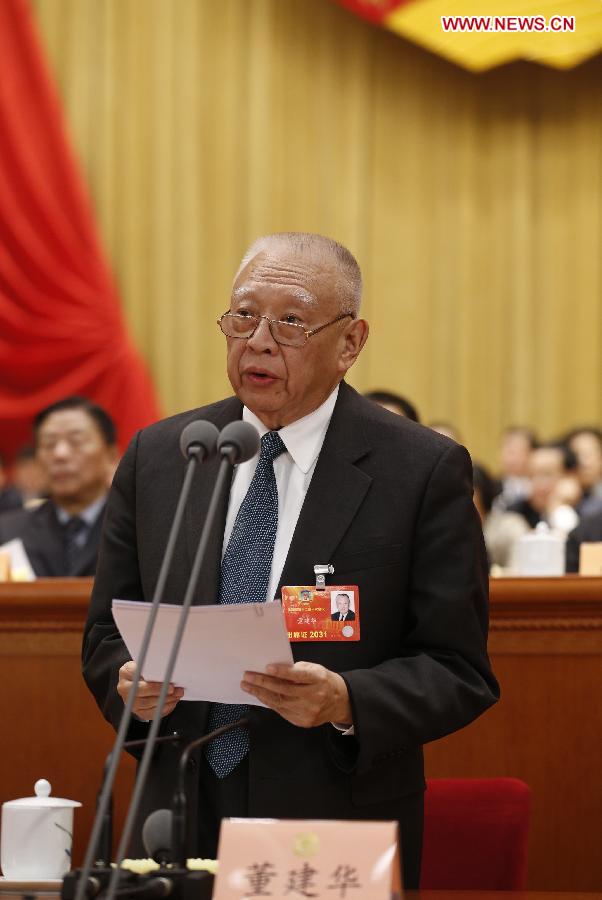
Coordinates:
[75,457]
[588,451]
[546,468]
[29,477]
[343,603]
[514,453]
[282,384]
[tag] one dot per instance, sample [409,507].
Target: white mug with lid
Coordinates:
[540,552]
[37,835]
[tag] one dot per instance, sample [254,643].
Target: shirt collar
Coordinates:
[89,515]
[303,439]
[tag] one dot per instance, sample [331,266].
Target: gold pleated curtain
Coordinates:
[473,202]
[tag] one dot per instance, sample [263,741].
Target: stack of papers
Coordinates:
[220,643]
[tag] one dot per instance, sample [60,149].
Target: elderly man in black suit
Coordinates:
[338,480]
[343,613]
[76,447]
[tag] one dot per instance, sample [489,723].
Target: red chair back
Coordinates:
[475,834]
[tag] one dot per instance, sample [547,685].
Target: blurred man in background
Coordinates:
[501,529]
[516,446]
[589,531]
[76,448]
[586,444]
[10,498]
[446,429]
[29,478]
[395,403]
[554,488]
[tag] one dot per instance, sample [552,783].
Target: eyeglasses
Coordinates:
[289,334]
[77,442]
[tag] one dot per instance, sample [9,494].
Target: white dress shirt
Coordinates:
[293,470]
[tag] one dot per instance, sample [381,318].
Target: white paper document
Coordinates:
[20,567]
[220,643]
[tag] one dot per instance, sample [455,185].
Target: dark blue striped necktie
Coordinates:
[73,531]
[245,576]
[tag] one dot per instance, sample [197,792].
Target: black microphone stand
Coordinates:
[180,819]
[105,844]
[203,438]
[98,877]
[230,454]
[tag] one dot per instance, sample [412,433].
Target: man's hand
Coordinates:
[305,694]
[145,704]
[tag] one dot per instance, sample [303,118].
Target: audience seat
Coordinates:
[475,834]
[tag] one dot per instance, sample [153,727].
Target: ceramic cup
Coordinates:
[36,837]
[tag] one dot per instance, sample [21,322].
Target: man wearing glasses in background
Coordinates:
[77,453]
[338,480]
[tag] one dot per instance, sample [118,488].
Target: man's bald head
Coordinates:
[349,282]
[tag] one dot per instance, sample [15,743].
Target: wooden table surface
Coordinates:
[38,890]
[500,895]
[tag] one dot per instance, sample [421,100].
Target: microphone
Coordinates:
[238,442]
[234,443]
[164,835]
[179,819]
[200,443]
[199,438]
[100,873]
[105,844]
[170,880]
[156,836]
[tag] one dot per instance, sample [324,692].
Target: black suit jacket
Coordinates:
[42,536]
[348,618]
[390,506]
[10,499]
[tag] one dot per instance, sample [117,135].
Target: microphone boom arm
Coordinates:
[197,452]
[179,821]
[222,475]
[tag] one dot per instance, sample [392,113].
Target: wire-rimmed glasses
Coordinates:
[289,334]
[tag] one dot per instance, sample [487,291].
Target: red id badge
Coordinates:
[332,614]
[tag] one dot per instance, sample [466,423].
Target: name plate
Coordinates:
[328,860]
[590,559]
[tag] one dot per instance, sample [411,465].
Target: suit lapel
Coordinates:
[197,508]
[336,492]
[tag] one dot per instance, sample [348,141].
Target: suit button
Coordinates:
[191,765]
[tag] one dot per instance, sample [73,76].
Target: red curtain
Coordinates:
[61,327]
[374,11]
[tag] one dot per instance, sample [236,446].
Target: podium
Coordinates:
[546,649]
[545,644]
[51,725]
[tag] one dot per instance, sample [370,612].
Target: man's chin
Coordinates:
[260,399]
[63,495]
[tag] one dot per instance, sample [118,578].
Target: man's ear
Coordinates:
[354,337]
